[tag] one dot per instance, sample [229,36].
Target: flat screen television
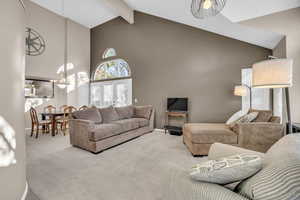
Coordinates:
[177,104]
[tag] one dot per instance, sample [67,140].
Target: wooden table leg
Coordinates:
[44,118]
[53,125]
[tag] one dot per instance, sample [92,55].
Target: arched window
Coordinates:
[110,52]
[113,69]
[112,83]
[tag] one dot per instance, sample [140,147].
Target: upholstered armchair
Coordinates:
[258,136]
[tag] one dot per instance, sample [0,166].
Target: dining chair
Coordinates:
[65,120]
[37,124]
[62,108]
[60,119]
[83,107]
[50,109]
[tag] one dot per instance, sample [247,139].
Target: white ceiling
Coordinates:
[91,13]
[240,10]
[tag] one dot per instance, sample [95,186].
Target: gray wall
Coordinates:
[287,23]
[169,59]
[12,70]
[60,34]
[78,54]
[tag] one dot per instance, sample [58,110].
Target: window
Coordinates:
[106,93]
[112,83]
[117,68]
[109,53]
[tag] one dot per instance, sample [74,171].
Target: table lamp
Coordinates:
[242,91]
[275,73]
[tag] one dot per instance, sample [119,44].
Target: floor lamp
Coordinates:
[275,73]
[242,91]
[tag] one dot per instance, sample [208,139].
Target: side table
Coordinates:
[296,127]
[175,129]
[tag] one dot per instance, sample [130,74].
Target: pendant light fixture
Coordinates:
[207,8]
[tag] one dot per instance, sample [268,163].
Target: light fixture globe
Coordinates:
[207,8]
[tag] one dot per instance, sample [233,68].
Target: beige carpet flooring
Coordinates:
[152,167]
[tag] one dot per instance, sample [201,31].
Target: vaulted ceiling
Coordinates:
[91,13]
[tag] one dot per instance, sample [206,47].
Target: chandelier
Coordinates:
[207,8]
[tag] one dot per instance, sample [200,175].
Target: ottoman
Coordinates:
[198,137]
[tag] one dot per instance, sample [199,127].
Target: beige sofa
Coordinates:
[259,135]
[96,130]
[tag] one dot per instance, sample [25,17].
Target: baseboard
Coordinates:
[25,192]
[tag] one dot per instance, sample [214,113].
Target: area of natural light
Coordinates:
[61,69]
[34,102]
[115,92]
[110,52]
[7,144]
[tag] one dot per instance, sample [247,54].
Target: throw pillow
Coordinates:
[142,112]
[227,170]
[235,117]
[125,112]
[91,114]
[245,119]
[263,115]
[109,114]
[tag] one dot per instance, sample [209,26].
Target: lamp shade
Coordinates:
[240,90]
[276,73]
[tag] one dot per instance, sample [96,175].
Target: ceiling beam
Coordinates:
[121,8]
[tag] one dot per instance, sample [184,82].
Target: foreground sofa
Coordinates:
[259,135]
[96,130]
[279,179]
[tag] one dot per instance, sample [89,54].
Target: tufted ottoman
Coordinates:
[198,137]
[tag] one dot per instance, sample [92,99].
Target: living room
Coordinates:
[145,99]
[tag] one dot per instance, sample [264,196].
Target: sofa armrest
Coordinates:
[79,130]
[275,119]
[151,120]
[218,150]
[259,136]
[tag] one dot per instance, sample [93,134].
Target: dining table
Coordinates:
[53,117]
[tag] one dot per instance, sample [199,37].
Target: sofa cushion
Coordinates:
[109,114]
[263,115]
[142,122]
[125,112]
[228,169]
[210,133]
[244,119]
[91,114]
[142,112]
[102,131]
[127,124]
[285,148]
